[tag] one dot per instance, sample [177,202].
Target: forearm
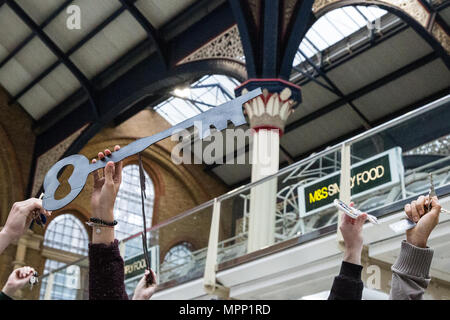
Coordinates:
[106,272]
[410,272]
[5,240]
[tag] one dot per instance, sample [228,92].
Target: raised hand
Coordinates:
[352,233]
[104,194]
[19,220]
[143,290]
[426,221]
[17,280]
[106,187]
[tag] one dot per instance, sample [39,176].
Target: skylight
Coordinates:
[187,102]
[335,26]
[213,90]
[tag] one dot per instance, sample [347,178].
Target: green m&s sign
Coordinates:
[366,176]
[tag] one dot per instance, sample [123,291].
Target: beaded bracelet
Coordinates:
[93,224]
[97,226]
[103,222]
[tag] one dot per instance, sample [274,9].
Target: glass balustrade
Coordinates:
[389,163]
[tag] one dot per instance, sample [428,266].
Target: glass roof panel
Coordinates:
[335,26]
[200,96]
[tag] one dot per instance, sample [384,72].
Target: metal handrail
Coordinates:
[389,124]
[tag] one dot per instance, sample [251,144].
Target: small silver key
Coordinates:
[33,280]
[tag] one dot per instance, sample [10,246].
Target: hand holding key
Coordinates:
[144,290]
[19,219]
[17,280]
[106,186]
[352,233]
[425,220]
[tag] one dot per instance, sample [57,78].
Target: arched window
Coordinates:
[65,233]
[127,209]
[178,255]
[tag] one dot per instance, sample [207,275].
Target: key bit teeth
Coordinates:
[220,125]
[238,120]
[204,133]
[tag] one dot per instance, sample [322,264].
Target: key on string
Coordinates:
[33,280]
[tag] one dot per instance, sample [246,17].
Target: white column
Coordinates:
[268,114]
[265,162]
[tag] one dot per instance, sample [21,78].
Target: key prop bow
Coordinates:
[218,117]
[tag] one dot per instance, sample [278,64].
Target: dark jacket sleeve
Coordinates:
[3,296]
[348,284]
[106,272]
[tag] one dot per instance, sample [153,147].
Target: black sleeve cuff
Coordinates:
[102,248]
[4,296]
[351,270]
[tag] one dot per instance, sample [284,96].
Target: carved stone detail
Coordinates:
[49,158]
[270,109]
[320,4]
[226,45]
[413,8]
[441,36]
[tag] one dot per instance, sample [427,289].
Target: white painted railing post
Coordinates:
[345,188]
[209,279]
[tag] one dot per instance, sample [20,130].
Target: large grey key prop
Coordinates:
[217,116]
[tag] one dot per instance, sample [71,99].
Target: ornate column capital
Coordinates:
[271,109]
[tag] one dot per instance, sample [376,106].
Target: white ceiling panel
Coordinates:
[365,68]
[405,90]
[445,14]
[12,30]
[92,14]
[37,102]
[39,10]
[159,12]
[3,52]
[35,57]
[13,76]
[60,83]
[26,65]
[109,45]
[233,173]
[313,98]
[326,128]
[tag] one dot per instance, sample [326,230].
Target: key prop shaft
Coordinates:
[217,117]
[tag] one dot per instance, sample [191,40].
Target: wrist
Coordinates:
[7,235]
[421,243]
[353,255]
[9,290]
[106,235]
[137,297]
[106,215]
